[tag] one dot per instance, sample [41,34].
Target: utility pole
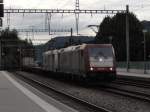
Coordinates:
[32,32]
[1,24]
[20,57]
[127,39]
[77,8]
[0,52]
[144,33]
[71,31]
[27,35]
[49,23]
[8,20]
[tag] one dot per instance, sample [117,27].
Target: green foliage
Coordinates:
[147,45]
[116,28]
[12,48]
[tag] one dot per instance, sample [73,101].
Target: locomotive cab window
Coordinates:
[101,56]
[81,52]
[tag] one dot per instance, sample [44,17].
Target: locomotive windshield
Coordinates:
[102,56]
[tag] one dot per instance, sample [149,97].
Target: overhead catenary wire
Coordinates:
[65,15]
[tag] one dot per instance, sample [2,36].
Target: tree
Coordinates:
[116,27]
[11,47]
[147,38]
[105,30]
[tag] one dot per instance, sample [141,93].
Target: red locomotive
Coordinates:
[88,61]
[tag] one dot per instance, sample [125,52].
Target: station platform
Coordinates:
[15,97]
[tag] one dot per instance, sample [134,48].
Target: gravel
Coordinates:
[132,88]
[111,101]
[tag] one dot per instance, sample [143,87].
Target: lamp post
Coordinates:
[127,39]
[144,33]
[0,51]
[20,61]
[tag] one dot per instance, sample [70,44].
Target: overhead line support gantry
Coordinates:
[63,11]
[76,11]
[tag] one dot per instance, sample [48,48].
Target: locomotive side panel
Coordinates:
[50,62]
[82,63]
[63,62]
[69,60]
[55,62]
[78,62]
[60,62]
[75,62]
[45,61]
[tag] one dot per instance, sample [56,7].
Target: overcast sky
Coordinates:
[140,7]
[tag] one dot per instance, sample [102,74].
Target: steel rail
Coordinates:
[133,83]
[133,94]
[124,92]
[88,104]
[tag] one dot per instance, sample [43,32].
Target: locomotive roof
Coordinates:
[77,47]
[73,48]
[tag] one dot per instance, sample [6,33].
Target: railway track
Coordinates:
[124,92]
[113,89]
[133,83]
[81,101]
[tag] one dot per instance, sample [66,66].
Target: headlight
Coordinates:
[100,59]
[111,69]
[91,69]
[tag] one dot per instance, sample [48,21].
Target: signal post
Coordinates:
[1,24]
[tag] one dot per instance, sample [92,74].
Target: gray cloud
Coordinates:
[59,21]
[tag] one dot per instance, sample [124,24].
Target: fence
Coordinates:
[137,67]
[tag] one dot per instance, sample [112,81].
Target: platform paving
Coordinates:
[14,97]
